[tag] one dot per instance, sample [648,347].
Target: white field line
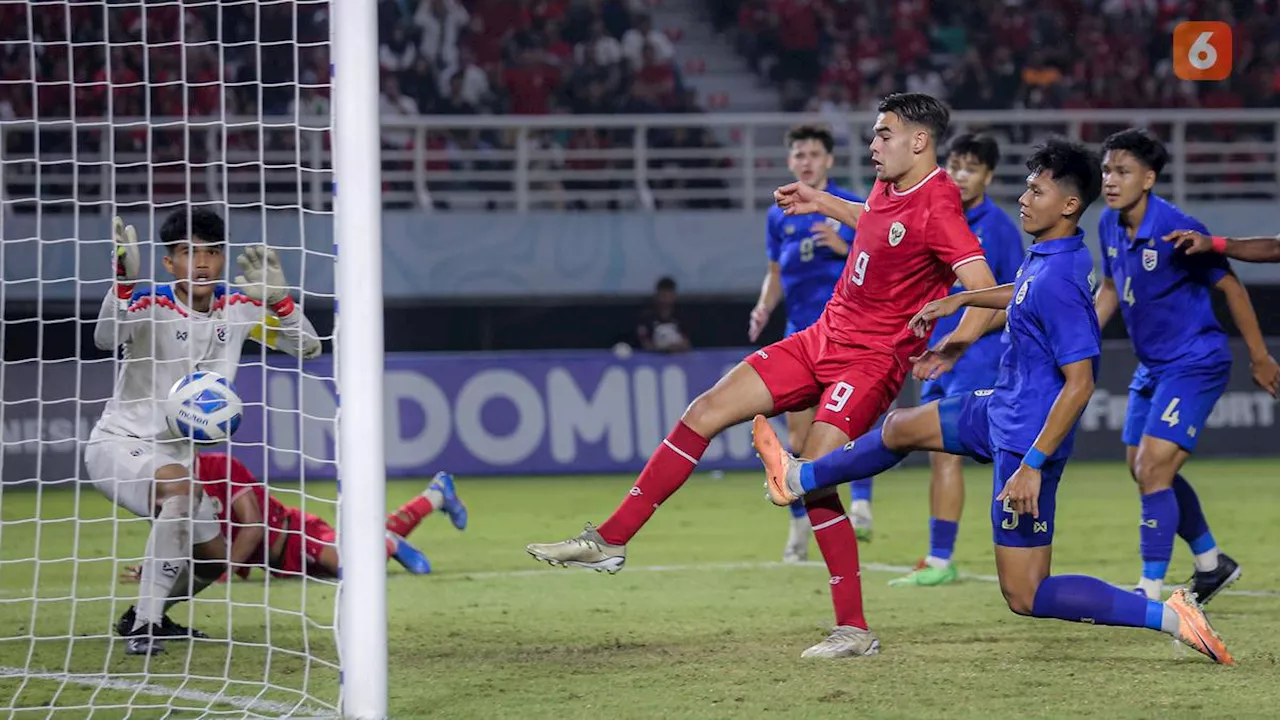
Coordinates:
[758,565]
[249,704]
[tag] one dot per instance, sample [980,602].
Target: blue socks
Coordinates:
[865,457]
[942,538]
[797,509]
[1159,526]
[860,489]
[1079,598]
[1192,526]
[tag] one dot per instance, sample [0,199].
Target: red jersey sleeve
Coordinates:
[948,233]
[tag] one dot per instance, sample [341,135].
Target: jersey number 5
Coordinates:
[859,273]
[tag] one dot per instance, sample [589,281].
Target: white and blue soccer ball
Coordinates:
[203,407]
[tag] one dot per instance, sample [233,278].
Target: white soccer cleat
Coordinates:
[845,641]
[797,547]
[860,516]
[587,550]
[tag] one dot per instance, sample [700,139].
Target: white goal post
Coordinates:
[266,112]
[358,231]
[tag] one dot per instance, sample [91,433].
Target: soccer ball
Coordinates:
[203,407]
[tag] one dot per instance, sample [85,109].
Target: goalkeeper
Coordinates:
[163,333]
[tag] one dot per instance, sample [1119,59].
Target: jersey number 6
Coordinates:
[860,268]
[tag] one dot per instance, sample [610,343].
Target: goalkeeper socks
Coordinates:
[1079,598]
[668,468]
[168,551]
[187,587]
[403,521]
[1159,525]
[865,457]
[1192,526]
[834,533]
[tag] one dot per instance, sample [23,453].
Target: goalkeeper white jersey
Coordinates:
[163,340]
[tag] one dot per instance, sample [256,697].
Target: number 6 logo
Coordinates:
[1202,50]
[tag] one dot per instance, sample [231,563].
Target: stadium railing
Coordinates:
[536,163]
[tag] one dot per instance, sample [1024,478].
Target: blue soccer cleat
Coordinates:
[452,506]
[410,557]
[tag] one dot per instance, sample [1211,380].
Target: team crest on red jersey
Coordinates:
[897,231]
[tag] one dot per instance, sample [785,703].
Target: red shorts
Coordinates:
[851,386]
[306,536]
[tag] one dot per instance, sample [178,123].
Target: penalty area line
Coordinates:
[758,565]
[107,682]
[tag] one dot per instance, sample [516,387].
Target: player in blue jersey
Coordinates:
[971,162]
[806,256]
[1163,295]
[1025,425]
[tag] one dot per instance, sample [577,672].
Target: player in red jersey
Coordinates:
[265,532]
[908,249]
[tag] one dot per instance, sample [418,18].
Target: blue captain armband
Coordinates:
[1034,459]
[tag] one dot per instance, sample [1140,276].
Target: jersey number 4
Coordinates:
[1171,413]
[1128,291]
[859,273]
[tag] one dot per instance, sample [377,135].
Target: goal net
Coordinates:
[135,109]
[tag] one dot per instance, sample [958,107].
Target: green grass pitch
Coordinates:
[702,623]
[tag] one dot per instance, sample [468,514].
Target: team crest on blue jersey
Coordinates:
[789,229]
[897,231]
[1149,259]
[221,333]
[1022,291]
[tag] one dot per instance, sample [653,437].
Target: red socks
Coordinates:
[834,533]
[669,466]
[403,521]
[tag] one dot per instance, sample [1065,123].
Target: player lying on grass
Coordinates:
[266,533]
[1185,362]
[1025,426]
[911,244]
[971,162]
[807,256]
[164,332]
[1254,250]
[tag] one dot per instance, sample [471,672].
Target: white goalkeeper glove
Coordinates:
[126,258]
[262,279]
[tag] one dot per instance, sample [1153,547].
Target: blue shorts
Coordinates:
[954,383]
[966,431]
[1173,405]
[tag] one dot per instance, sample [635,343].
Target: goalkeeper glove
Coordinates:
[262,279]
[126,258]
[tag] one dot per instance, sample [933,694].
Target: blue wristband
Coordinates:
[1034,459]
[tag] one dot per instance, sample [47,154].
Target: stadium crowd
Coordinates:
[548,57]
[995,54]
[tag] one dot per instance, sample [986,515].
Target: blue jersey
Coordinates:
[809,271]
[1164,293]
[1002,243]
[1051,323]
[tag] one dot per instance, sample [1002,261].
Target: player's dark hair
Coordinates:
[193,222]
[1140,143]
[1073,165]
[919,109]
[983,148]
[665,283]
[800,133]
